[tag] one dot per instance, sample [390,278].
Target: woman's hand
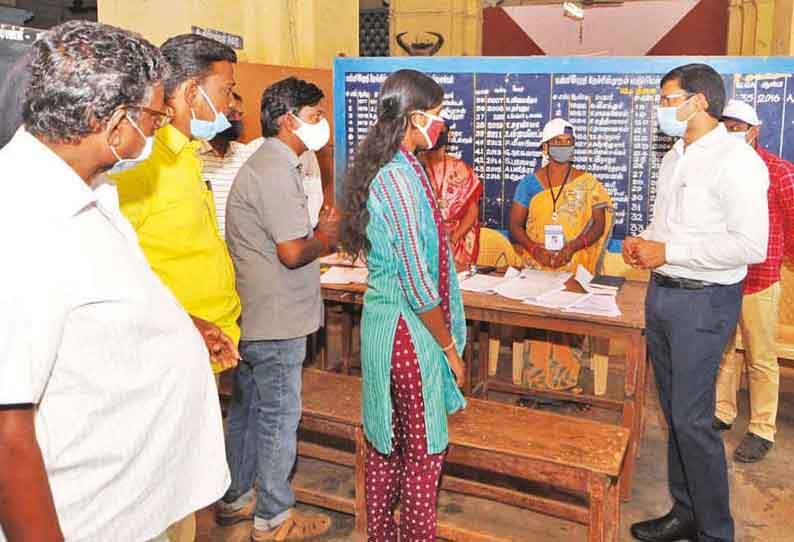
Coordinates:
[457,366]
[543,257]
[564,256]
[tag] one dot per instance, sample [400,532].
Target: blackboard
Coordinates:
[497,107]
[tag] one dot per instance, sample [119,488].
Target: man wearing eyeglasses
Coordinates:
[110,427]
[168,202]
[710,221]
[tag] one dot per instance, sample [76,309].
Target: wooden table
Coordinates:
[629,327]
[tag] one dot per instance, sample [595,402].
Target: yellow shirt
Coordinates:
[173,212]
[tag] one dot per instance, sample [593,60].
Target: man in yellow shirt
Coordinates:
[172,208]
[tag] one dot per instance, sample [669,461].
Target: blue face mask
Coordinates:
[668,120]
[205,129]
[124,164]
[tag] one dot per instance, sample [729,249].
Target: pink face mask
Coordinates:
[432,130]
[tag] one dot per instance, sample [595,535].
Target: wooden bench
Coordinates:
[577,456]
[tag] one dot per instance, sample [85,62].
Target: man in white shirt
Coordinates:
[109,419]
[223,157]
[710,221]
[312,185]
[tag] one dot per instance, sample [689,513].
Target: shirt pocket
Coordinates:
[696,208]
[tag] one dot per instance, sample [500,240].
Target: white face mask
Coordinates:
[124,164]
[739,135]
[314,136]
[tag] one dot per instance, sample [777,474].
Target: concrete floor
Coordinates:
[762,494]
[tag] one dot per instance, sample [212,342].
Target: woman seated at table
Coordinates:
[559,217]
[457,190]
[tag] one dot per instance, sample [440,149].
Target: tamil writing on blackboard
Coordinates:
[496,120]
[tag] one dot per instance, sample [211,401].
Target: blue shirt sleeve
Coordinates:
[527,189]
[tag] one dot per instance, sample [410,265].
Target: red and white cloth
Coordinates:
[781,224]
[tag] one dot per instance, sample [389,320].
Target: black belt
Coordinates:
[685,284]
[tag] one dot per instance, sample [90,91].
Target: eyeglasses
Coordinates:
[161,118]
[665,99]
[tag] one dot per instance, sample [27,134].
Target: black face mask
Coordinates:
[233,132]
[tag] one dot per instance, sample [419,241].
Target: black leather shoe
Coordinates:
[720,425]
[665,529]
[752,449]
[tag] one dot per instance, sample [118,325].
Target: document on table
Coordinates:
[337,258]
[345,275]
[532,284]
[585,279]
[485,283]
[597,305]
[557,300]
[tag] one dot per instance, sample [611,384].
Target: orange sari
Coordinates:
[457,188]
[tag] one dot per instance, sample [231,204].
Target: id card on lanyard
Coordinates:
[554,237]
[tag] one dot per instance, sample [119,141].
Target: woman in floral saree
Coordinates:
[457,190]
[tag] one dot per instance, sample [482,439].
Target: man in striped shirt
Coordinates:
[759,316]
[223,157]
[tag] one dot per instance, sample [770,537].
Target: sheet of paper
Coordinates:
[546,277]
[512,273]
[345,275]
[521,288]
[583,276]
[481,283]
[601,290]
[557,300]
[338,258]
[596,305]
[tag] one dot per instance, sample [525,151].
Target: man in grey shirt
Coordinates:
[275,251]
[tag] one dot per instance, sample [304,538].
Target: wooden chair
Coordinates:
[573,455]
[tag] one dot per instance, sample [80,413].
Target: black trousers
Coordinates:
[687,334]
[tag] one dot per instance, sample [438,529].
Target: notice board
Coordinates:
[496,109]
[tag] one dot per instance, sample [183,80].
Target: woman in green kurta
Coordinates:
[413,327]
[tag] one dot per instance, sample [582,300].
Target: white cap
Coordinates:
[556,127]
[741,111]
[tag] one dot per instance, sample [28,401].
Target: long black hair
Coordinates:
[403,92]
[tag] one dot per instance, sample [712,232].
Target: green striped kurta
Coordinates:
[403,281]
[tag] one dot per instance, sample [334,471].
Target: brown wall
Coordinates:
[501,36]
[253,79]
[703,31]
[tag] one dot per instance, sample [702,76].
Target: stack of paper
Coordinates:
[482,283]
[532,284]
[585,278]
[557,300]
[485,283]
[589,303]
[345,275]
[338,258]
[597,305]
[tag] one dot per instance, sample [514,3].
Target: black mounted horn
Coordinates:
[439,44]
[405,47]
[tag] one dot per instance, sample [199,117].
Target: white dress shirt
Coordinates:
[220,172]
[711,209]
[312,185]
[126,408]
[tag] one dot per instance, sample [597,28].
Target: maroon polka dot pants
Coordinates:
[409,475]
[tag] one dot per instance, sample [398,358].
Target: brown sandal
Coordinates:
[298,526]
